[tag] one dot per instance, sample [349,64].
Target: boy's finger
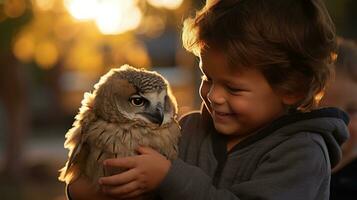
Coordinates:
[123,189]
[119,179]
[146,150]
[133,195]
[125,162]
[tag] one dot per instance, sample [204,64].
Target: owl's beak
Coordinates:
[156,115]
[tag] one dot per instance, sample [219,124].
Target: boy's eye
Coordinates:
[234,90]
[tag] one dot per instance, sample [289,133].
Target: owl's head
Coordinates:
[134,94]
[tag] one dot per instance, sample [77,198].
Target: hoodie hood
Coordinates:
[330,123]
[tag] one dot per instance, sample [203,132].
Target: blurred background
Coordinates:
[52,51]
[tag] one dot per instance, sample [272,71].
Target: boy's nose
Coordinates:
[216,95]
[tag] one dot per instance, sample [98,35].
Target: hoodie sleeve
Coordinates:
[297,168]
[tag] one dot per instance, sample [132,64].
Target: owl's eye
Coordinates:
[137,101]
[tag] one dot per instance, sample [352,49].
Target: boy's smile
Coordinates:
[222,117]
[240,100]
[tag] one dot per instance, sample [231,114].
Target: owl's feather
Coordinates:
[74,139]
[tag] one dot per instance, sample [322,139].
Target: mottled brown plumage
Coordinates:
[128,108]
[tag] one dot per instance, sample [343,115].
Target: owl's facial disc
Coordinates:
[150,107]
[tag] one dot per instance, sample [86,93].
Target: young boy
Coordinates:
[342,93]
[265,64]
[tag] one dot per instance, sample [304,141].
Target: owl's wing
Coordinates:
[75,141]
[74,144]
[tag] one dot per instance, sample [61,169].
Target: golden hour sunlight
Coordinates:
[169,4]
[111,16]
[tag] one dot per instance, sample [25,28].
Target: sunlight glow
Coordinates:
[84,56]
[82,9]
[138,56]
[24,48]
[45,4]
[46,54]
[169,4]
[319,96]
[115,17]
[152,26]
[14,8]
[110,16]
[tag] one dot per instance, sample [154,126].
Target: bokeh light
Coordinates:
[14,8]
[64,29]
[24,47]
[111,16]
[44,5]
[84,56]
[138,56]
[152,26]
[82,9]
[169,4]
[115,17]
[46,54]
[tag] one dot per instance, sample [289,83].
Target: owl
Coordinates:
[129,107]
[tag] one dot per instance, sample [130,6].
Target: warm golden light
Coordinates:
[319,96]
[14,8]
[169,4]
[115,17]
[82,9]
[111,16]
[44,4]
[24,48]
[138,56]
[46,54]
[84,57]
[64,29]
[152,26]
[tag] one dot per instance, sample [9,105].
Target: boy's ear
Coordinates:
[291,99]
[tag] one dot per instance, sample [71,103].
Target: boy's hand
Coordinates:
[145,172]
[82,189]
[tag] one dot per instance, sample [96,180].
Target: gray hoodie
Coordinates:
[289,159]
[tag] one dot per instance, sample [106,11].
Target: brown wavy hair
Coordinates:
[292,42]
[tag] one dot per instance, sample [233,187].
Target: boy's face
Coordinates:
[342,93]
[240,101]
